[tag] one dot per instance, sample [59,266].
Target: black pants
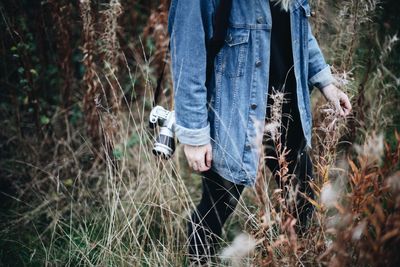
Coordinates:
[220,197]
[299,163]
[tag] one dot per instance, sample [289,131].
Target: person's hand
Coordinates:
[338,98]
[199,157]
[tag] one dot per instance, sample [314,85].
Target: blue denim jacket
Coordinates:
[229,111]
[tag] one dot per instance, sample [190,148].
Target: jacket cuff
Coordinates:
[322,78]
[193,137]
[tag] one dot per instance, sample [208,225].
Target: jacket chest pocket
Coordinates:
[233,56]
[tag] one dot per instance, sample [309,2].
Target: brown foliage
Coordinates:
[369,217]
[156,29]
[90,81]
[103,94]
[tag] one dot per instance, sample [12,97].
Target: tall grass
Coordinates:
[107,201]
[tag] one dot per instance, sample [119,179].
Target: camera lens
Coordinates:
[164,146]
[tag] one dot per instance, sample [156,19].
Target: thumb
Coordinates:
[209,156]
[339,108]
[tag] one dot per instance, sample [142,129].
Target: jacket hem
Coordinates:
[239,177]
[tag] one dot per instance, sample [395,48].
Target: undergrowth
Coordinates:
[85,189]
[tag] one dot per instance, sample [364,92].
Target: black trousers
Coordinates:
[299,166]
[220,197]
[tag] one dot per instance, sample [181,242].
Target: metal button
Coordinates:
[253,106]
[260,20]
[229,38]
[258,63]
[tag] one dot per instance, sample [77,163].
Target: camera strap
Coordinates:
[220,26]
[157,91]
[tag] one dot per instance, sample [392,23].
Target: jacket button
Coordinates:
[260,20]
[258,63]
[253,106]
[229,38]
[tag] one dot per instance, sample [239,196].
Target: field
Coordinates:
[80,186]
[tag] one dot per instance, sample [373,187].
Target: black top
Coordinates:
[282,78]
[281,64]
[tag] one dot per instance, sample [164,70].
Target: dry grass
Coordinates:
[108,201]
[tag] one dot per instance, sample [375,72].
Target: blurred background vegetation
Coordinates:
[79,185]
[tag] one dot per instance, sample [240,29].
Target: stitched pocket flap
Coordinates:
[237,36]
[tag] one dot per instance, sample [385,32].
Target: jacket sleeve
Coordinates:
[190,28]
[319,73]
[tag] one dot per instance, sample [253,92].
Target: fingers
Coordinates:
[209,156]
[338,98]
[342,104]
[198,165]
[195,166]
[339,108]
[198,157]
[346,105]
[335,100]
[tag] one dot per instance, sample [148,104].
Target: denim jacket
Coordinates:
[229,109]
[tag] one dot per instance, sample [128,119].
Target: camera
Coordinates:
[164,144]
